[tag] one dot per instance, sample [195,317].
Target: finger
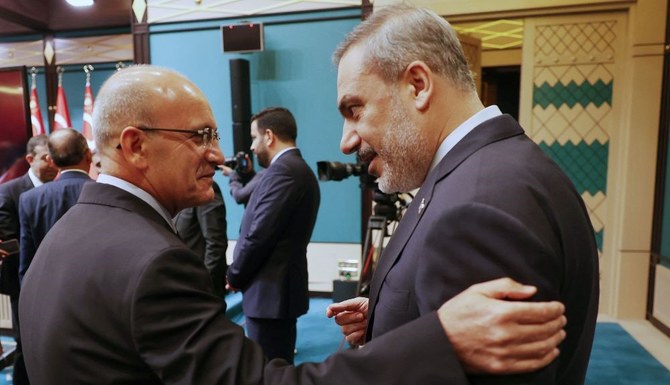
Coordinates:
[504,288]
[539,333]
[348,318]
[524,365]
[354,328]
[537,349]
[531,312]
[337,308]
[356,338]
[347,305]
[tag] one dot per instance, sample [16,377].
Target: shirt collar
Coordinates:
[33,178]
[73,170]
[280,153]
[138,192]
[461,131]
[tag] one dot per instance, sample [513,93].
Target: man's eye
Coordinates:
[354,111]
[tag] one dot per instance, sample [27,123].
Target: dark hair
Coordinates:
[67,147]
[39,140]
[279,120]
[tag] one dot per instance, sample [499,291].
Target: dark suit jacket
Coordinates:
[9,229]
[113,296]
[41,207]
[270,260]
[242,185]
[495,206]
[204,230]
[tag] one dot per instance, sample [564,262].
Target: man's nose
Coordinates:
[350,141]
[215,155]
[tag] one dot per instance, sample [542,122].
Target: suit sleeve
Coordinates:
[474,243]
[212,221]
[8,219]
[27,246]
[201,346]
[242,185]
[280,194]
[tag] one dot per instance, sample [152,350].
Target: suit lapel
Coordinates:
[108,195]
[490,131]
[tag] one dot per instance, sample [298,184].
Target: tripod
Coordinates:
[376,233]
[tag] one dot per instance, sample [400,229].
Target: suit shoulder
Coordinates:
[16,186]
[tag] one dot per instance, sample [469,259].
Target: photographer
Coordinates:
[243,178]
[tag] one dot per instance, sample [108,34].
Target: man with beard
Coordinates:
[490,204]
[270,259]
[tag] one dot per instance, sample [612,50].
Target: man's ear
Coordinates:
[133,147]
[269,137]
[88,156]
[419,77]
[30,158]
[50,160]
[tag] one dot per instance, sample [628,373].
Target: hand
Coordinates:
[249,163]
[495,336]
[230,288]
[352,316]
[3,254]
[225,169]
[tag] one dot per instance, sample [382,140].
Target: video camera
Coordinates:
[238,162]
[385,203]
[336,171]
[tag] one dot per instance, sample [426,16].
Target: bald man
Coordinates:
[114,296]
[42,206]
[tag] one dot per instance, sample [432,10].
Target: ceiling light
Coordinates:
[80,3]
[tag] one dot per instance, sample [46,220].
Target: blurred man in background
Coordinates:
[40,172]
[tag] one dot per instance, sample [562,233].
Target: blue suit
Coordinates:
[270,260]
[41,207]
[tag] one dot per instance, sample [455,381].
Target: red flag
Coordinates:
[36,113]
[87,129]
[62,117]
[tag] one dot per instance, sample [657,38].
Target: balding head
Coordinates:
[149,126]
[133,96]
[68,149]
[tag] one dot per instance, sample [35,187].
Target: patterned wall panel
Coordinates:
[165,11]
[97,49]
[28,53]
[573,77]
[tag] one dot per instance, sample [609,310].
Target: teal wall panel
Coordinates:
[586,165]
[294,71]
[573,94]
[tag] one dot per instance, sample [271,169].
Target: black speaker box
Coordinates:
[242,137]
[240,93]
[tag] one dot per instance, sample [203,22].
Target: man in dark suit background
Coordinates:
[113,295]
[41,207]
[203,229]
[40,172]
[270,260]
[490,204]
